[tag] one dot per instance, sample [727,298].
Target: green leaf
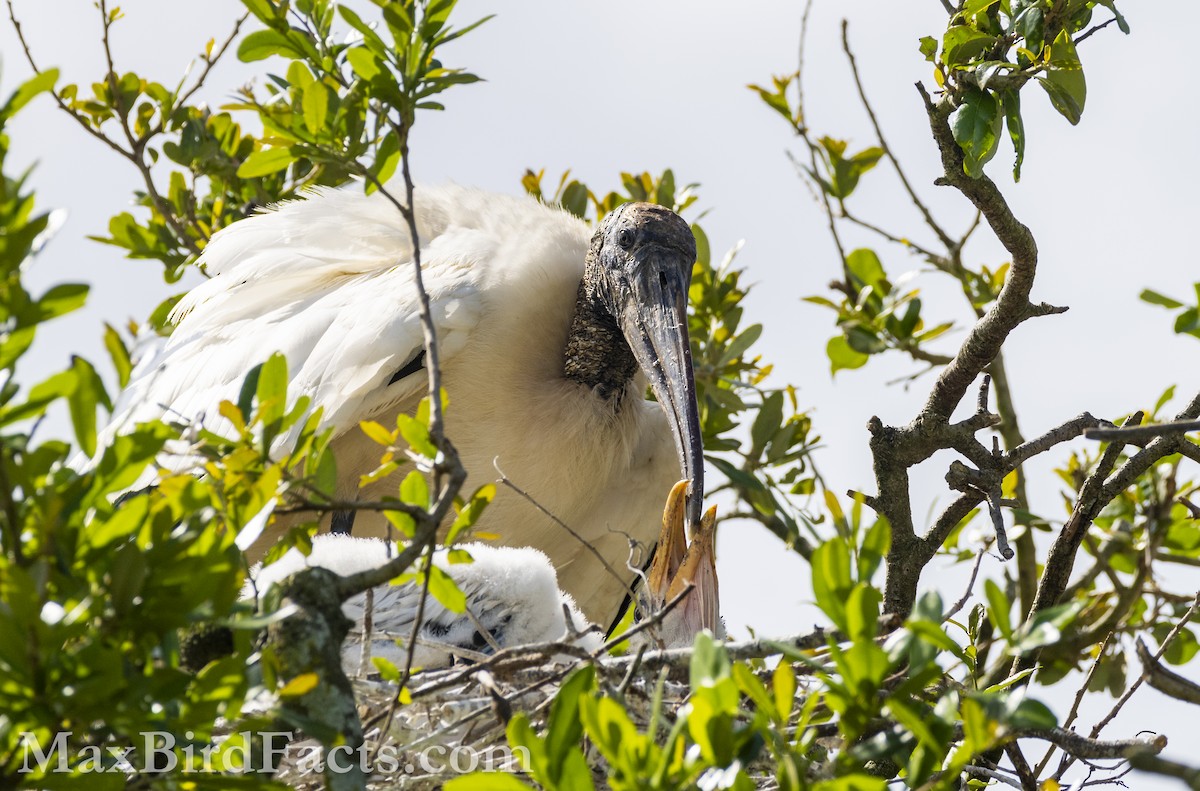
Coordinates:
[387,159]
[416,433]
[265,162]
[998,608]
[87,394]
[1045,629]
[961,43]
[264,43]
[39,83]
[1064,80]
[1111,6]
[928,48]
[119,354]
[575,199]
[831,579]
[1030,24]
[41,395]
[364,62]
[841,356]
[161,314]
[16,343]
[740,344]
[1011,101]
[471,512]
[1031,714]
[62,299]
[1155,298]
[271,389]
[976,127]
[563,728]
[876,544]
[315,104]
[783,683]
[710,663]
[767,421]
[862,612]
[844,172]
[776,100]
[443,588]
[864,264]
[414,490]
[263,9]
[370,37]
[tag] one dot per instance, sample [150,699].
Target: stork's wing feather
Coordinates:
[327,281]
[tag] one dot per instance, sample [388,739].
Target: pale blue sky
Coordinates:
[605,87]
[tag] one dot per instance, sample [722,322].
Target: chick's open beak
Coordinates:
[678,564]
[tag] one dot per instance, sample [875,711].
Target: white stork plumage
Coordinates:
[548,337]
[512,597]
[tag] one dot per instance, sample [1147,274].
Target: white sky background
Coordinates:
[605,87]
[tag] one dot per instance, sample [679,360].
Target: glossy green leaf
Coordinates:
[316,106]
[962,43]
[118,354]
[976,128]
[264,43]
[998,608]
[1155,298]
[414,490]
[26,91]
[443,588]
[265,162]
[1064,80]
[842,356]
[1011,102]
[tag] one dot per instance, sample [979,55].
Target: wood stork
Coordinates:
[548,337]
[512,596]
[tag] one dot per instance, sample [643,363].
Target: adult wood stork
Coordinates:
[548,337]
[512,597]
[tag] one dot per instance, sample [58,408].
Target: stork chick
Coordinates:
[512,599]
[513,596]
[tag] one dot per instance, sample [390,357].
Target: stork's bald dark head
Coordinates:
[635,236]
[638,272]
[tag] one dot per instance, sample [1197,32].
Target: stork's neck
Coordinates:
[597,355]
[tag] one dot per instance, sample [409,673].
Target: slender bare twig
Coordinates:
[83,122]
[1168,768]
[997,774]
[993,498]
[1166,681]
[942,236]
[1162,649]
[504,479]
[962,602]
[1093,30]
[937,260]
[1024,772]
[308,506]
[1079,695]
[137,145]
[1142,433]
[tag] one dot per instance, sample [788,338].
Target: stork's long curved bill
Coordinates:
[654,323]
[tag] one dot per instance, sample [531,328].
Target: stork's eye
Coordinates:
[625,238]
